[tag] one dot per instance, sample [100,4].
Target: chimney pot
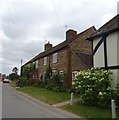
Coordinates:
[70,34]
[48,46]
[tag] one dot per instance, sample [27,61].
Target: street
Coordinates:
[0,100]
[18,105]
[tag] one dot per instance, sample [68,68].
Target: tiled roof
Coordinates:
[61,45]
[110,26]
[85,57]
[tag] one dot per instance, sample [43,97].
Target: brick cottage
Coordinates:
[70,56]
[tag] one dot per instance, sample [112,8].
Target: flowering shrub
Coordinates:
[53,81]
[93,85]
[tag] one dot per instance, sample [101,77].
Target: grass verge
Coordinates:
[88,111]
[13,83]
[45,95]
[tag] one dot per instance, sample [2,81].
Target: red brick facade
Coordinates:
[74,54]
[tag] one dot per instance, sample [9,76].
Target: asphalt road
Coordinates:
[17,105]
[0,100]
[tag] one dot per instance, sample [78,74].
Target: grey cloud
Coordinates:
[21,17]
[14,52]
[26,23]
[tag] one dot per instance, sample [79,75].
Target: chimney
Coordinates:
[70,34]
[48,46]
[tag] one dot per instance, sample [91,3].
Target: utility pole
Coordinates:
[21,67]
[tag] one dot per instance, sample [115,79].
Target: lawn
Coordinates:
[45,95]
[88,111]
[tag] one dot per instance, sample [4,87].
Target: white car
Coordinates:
[6,81]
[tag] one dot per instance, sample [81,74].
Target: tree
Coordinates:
[15,70]
[13,76]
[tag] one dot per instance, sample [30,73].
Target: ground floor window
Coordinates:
[34,76]
[54,71]
[62,73]
[74,73]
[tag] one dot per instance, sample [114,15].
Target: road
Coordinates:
[0,100]
[18,105]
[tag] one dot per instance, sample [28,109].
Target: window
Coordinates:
[62,76]
[45,61]
[34,76]
[33,63]
[55,58]
[40,77]
[36,64]
[54,71]
[61,72]
[74,73]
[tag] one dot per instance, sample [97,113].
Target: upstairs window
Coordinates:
[55,58]
[45,61]
[36,64]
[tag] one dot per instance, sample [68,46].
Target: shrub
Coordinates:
[25,73]
[23,82]
[53,81]
[47,77]
[93,85]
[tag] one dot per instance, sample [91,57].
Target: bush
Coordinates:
[23,82]
[53,81]
[93,85]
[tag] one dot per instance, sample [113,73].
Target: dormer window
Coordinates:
[55,58]
[45,61]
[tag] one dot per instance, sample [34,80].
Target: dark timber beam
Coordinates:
[105,53]
[111,67]
[99,43]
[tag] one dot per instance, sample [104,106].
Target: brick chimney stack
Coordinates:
[48,46]
[70,34]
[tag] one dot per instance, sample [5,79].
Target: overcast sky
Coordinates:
[26,25]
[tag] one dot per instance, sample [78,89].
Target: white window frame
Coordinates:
[54,58]
[61,72]
[36,64]
[54,71]
[34,76]
[45,61]
[74,73]
[40,76]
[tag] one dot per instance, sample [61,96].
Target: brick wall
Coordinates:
[59,66]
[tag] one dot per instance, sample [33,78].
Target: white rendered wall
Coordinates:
[112,55]
[112,49]
[118,53]
[99,55]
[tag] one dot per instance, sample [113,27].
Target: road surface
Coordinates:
[18,105]
[0,100]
